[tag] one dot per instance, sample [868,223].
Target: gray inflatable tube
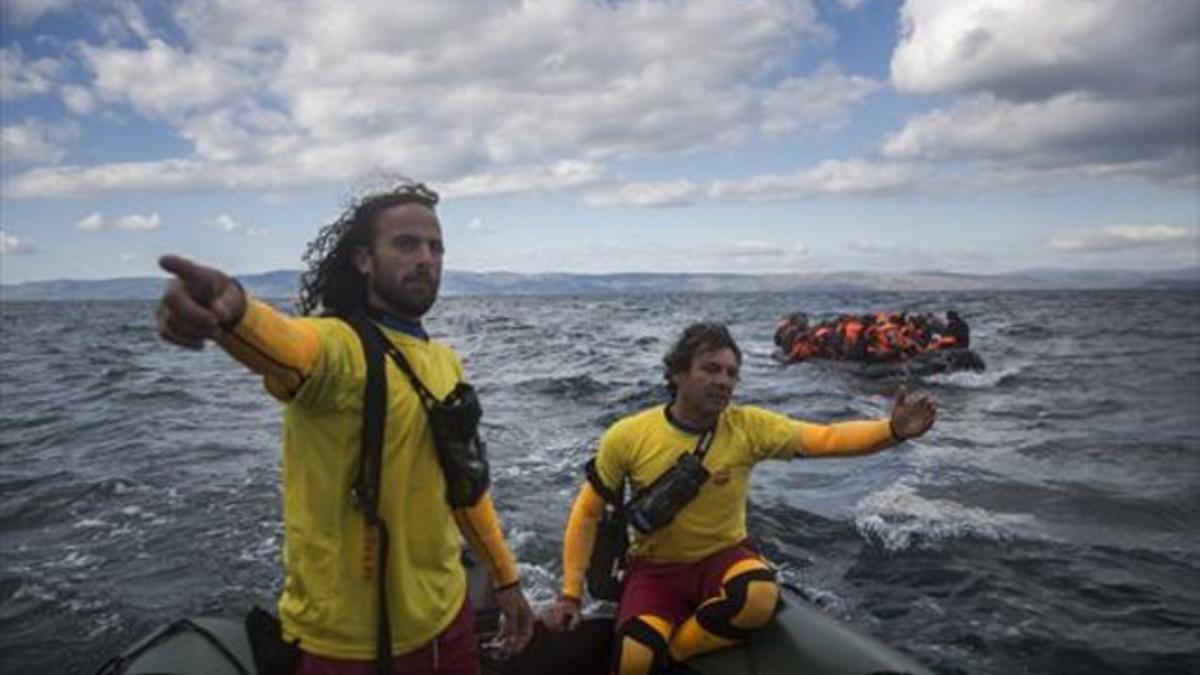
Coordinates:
[801,639]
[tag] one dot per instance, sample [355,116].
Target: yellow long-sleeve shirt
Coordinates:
[316,367]
[642,447]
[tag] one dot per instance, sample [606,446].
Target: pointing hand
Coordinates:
[197,304]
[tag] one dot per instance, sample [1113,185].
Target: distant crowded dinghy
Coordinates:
[880,344]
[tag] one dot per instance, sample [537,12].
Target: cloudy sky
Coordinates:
[567,135]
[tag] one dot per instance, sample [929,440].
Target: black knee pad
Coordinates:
[717,617]
[643,633]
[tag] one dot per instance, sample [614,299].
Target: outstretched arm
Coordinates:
[910,418]
[203,303]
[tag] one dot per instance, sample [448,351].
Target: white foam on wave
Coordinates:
[968,379]
[824,598]
[106,623]
[521,539]
[76,560]
[122,487]
[265,549]
[89,523]
[539,583]
[899,518]
[34,591]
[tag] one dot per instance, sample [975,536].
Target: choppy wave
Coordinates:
[899,518]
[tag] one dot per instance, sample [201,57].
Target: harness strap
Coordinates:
[614,498]
[365,490]
[427,397]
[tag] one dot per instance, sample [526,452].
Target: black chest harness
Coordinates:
[462,454]
[648,510]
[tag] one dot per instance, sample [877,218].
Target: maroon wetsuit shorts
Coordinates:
[673,591]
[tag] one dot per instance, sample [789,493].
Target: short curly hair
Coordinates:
[332,284]
[698,337]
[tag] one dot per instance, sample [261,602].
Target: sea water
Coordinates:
[1047,524]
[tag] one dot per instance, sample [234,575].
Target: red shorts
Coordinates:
[453,652]
[673,591]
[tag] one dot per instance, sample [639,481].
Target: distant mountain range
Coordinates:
[283,283]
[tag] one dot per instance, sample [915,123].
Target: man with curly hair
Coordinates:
[383,259]
[694,581]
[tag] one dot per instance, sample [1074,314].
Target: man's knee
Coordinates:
[750,600]
[761,595]
[641,646]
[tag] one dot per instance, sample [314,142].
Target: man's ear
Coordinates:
[362,259]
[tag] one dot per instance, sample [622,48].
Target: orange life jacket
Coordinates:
[851,329]
[802,349]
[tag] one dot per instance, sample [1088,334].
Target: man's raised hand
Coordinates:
[912,417]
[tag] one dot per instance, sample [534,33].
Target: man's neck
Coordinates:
[376,307]
[689,418]
[397,322]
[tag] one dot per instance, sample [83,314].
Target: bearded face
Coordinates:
[403,265]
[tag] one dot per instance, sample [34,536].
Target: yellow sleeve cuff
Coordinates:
[481,526]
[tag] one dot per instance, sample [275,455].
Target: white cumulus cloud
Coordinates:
[830,178]
[95,222]
[13,245]
[283,95]
[1036,49]
[227,223]
[815,105]
[164,175]
[1121,237]
[666,193]
[26,11]
[1104,88]
[134,221]
[21,77]
[78,100]
[537,178]
[34,142]
[162,80]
